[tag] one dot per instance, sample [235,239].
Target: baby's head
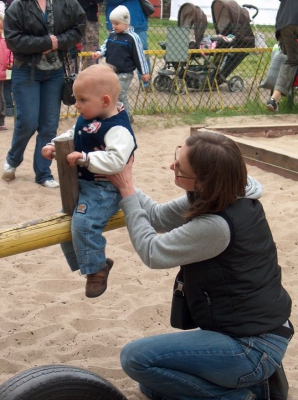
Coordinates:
[120,19]
[97,90]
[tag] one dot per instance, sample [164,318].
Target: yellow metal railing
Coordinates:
[181,98]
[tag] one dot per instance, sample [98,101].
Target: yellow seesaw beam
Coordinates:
[44,232]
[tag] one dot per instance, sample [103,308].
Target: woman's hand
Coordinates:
[54,42]
[123,180]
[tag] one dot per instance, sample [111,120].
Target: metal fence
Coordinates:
[186,76]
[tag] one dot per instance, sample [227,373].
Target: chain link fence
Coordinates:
[198,65]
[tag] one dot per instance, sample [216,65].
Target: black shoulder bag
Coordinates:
[67,96]
[180,313]
[147,7]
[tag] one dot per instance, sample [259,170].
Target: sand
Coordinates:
[46,319]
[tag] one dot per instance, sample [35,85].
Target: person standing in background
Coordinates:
[124,51]
[39,33]
[7,91]
[91,37]
[6,60]
[286,32]
[138,20]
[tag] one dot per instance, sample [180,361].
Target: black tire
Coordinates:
[178,87]
[162,83]
[236,84]
[58,382]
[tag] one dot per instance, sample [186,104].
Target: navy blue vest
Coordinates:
[239,292]
[90,134]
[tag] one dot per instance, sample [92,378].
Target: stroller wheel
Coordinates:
[162,83]
[235,84]
[178,87]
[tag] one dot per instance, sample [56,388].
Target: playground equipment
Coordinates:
[66,382]
[54,229]
[55,381]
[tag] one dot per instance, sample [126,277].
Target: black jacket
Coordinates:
[287,14]
[125,52]
[26,32]
[239,292]
[91,8]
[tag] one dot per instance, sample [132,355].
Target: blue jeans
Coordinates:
[38,101]
[7,93]
[2,104]
[98,202]
[201,364]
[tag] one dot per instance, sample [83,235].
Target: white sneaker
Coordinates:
[9,172]
[51,183]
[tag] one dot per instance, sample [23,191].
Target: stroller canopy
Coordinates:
[230,18]
[191,16]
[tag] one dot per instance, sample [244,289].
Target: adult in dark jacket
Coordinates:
[91,36]
[286,31]
[39,33]
[229,282]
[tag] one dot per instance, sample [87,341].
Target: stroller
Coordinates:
[208,71]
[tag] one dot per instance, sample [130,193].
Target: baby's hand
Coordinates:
[48,152]
[73,157]
[96,55]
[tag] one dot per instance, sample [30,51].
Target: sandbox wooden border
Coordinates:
[268,160]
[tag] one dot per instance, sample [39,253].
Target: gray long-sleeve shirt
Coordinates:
[179,243]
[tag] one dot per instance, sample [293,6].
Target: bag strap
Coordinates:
[179,285]
[66,65]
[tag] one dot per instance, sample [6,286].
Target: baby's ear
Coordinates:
[106,100]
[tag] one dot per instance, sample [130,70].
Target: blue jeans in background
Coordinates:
[38,101]
[98,202]
[201,365]
[7,93]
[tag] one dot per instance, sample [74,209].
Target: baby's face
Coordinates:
[89,101]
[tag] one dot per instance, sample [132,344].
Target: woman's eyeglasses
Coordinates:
[176,159]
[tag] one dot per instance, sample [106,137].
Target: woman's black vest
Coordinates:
[239,292]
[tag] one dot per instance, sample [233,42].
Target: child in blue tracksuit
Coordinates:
[138,19]
[123,49]
[103,141]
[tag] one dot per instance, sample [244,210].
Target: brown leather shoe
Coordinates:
[97,283]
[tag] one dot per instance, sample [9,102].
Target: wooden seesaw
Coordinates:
[54,229]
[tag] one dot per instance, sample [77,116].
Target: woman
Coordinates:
[230,279]
[39,32]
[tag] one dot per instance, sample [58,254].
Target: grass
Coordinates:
[249,108]
[251,65]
